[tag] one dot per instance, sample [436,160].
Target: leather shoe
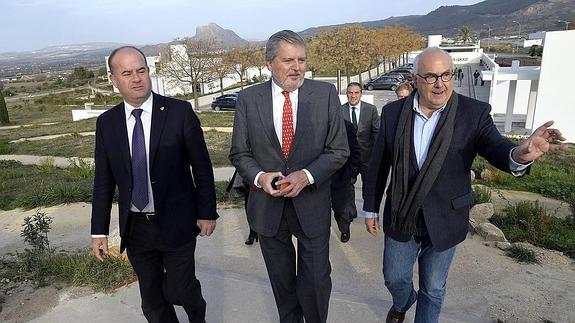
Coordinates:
[345,237]
[394,316]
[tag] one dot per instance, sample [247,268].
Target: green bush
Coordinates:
[530,222]
[80,168]
[522,254]
[481,194]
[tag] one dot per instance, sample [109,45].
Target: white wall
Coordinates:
[554,98]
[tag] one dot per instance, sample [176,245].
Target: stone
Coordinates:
[503,245]
[490,232]
[481,213]
[472,175]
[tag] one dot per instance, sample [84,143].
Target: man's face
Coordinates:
[288,67]
[353,94]
[434,96]
[130,75]
[402,94]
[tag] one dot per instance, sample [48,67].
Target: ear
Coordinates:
[113,79]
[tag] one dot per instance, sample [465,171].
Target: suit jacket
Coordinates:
[446,207]
[350,170]
[367,128]
[320,146]
[177,143]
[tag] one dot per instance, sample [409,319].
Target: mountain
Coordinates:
[499,15]
[227,37]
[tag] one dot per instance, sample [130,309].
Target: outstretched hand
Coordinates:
[538,144]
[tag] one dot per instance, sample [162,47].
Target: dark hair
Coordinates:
[115,51]
[355,84]
[403,86]
[287,36]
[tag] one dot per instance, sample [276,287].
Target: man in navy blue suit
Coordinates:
[428,141]
[152,148]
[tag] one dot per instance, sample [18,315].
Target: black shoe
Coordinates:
[394,316]
[345,237]
[251,238]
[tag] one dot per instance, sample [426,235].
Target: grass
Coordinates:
[481,194]
[79,268]
[522,254]
[30,187]
[216,119]
[530,222]
[85,125]
[552,176]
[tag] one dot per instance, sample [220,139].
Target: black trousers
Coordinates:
[343,205]
[301,286]
[166,275]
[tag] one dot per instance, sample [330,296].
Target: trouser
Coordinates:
[166,274]
[433,267]
[301,287]
[343,205]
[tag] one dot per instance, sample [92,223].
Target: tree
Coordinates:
[189,61]
[220,69]
[81,73]
[257,59]
[239,59]
[4,118]
[465,34]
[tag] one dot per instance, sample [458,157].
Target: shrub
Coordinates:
[529,221]
[522,254]
[481,194]
[80,168]
[6,148]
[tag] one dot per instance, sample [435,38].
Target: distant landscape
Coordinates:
[501,17]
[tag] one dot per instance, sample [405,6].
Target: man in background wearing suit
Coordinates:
[428,141]
[288,140]
[145,146]
[365,118]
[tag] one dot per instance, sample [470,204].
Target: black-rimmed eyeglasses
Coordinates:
[431,78]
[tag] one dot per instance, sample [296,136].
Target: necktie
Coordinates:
[139,164]
[353,116]
[287,126]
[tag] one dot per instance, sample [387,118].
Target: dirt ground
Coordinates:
[484,285]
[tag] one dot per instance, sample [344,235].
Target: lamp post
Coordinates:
[518,34]
[566,24]
[488,37]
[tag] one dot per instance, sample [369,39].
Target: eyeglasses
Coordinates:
[431,78]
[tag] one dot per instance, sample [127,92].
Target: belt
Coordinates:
[150,216]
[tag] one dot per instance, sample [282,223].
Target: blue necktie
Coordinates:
[139,164]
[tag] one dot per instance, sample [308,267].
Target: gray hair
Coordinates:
[287,36]
[426,52]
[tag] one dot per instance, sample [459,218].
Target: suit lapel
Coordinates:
[265,107]
[345,111]
[159,115]
[303,114]
[122,134]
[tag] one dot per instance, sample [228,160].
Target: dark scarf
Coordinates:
[406,201]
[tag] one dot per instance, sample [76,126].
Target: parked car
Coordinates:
[406,72]
[397,75]
[382,83]
[225,102]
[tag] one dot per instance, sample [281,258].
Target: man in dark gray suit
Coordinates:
[365,118]
[289,138]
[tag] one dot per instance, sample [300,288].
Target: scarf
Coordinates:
[406,202]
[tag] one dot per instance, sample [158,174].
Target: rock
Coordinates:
[472,175]
[481,213]
[503,245]
[490,232]
[487,174]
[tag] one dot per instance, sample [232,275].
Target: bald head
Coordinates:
[432,54]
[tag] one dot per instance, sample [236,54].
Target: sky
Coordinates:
[36,24]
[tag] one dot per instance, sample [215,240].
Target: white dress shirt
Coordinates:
[357,111]
[278,100]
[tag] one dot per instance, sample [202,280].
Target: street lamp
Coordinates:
[518,35]
[566,24]
[488,37]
